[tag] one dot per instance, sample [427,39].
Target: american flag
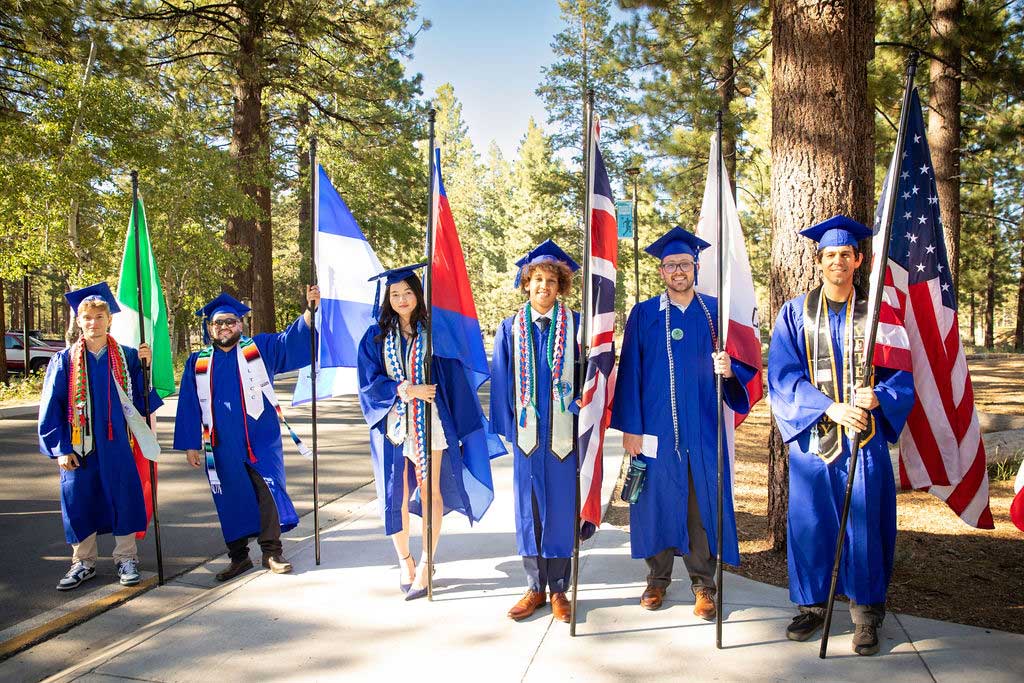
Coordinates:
[599,386]
[941,450]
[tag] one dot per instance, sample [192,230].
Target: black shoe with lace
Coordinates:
[803,626]
[865,639]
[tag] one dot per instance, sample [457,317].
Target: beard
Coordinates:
[680,287]
[227,342]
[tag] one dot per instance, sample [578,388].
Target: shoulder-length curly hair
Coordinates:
[389,320]
[559,269]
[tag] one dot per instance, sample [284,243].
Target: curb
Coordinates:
[35,630]
[18,412]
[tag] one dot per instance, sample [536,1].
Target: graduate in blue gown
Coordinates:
[666,405]
[393,395]
[533,405]
[818,417]
[228,421]
[83,426]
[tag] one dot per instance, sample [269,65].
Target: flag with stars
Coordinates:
[941,450]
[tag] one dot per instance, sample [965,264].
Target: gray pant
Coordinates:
[860,614]
[699,562]
[543,573]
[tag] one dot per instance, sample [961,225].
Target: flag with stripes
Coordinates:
[344,263]
[941,450]
[599,385]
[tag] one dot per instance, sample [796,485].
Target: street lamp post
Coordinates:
[633,172]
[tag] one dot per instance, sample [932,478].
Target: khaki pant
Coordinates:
[86,551]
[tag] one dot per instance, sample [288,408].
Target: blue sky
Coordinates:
[492,53]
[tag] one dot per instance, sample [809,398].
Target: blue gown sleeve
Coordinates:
[188,423]
[54,429]
[503,419]
[135,367]
[377,391]
[796,403]
[895,392]
[627,411]
[288,350]
[734,389]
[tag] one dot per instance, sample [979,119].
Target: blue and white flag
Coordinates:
[344,264]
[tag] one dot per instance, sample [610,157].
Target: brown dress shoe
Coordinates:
[704,604]
[527,605]
[277,564]
[560,607]
[652,597]
[234,569]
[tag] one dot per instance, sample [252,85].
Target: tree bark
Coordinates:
[990,288]
[1018,332]
[3,329]
[944,121]
[249,237]
[726,88]
[822,148]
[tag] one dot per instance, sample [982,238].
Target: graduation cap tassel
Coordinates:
[314,192]
[588,162]
[145,375]
[428,296]
[869,342]
[719,342]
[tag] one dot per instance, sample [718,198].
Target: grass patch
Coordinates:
[1007,469]
[20,389]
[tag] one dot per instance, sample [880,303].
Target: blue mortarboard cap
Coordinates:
[545,251]
[391,277]
[677,241]
[223,303]
[100,291]
[838,231]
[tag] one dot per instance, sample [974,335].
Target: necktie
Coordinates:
[544,324]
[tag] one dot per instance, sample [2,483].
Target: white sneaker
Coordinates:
[78,573]
[128,570]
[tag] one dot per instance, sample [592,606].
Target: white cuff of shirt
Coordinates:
[403,391]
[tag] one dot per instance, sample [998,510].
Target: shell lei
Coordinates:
[416,362]
[555,357]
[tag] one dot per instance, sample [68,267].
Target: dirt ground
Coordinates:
[944,569]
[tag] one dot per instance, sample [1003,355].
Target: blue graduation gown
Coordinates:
[643,406]
[104,494]
[541,474]
[237,507]
[465,479]
[816,489]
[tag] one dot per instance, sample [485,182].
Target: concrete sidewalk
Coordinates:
[346,620]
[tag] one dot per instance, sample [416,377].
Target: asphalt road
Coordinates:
[34,554]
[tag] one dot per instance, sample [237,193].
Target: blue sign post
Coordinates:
[624,218]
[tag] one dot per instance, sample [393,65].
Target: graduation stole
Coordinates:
[80,396]
[395,365]
[254,385]
[827,436]
[561,357]
[667,305]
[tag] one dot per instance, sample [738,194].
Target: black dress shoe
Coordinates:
[277,564]
[234,569]
[804,625]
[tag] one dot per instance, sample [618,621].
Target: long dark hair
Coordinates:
[389,321]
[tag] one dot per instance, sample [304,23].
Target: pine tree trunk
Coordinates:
[1018,332]
[726,89]
[944,121]
[822,148]
[990,288]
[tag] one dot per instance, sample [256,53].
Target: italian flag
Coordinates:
[125,328]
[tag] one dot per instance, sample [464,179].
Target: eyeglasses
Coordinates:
[671,268]
[225,322]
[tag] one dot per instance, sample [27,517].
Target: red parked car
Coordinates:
[40,352]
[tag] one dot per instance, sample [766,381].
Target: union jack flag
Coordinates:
[941,450]
[599,386]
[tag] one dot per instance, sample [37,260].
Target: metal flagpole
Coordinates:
[869,341]
[588,170]
[428,295]
[719,343]
[314,195]
[145,373]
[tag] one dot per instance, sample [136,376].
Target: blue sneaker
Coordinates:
[128,570]
[78,573]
